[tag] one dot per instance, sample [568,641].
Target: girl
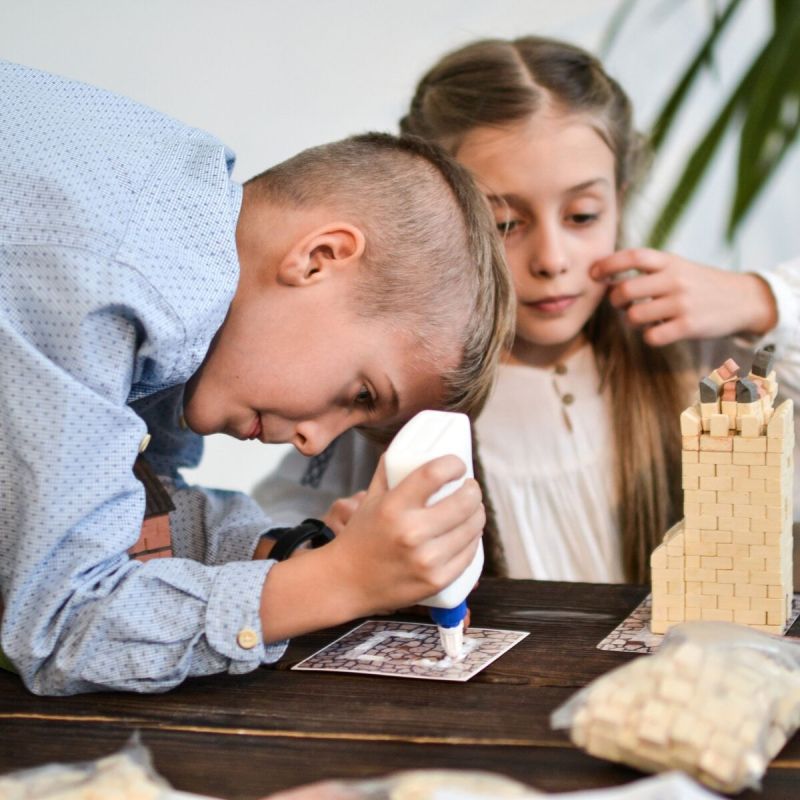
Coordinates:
[580,441]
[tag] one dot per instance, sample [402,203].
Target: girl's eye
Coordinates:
[365,398]
[507,226]
[583,219]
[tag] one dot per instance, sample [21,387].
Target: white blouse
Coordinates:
[548,460]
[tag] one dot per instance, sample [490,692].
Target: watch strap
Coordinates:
[312,531]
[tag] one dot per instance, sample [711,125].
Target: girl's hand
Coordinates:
[338,515]
[676,299]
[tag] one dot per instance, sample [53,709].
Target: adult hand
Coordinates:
[676,299]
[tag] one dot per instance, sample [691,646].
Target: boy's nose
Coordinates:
[311,438]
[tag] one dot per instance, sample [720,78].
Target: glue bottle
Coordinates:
[426,436]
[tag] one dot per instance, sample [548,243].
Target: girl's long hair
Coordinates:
[499,82]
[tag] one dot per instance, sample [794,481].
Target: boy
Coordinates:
[145,298]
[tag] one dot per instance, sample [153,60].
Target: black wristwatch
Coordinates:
[313,531]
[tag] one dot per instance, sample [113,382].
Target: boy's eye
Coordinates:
[365,398]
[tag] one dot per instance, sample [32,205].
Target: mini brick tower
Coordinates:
[730,557]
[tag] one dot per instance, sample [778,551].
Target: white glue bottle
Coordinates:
[426,436]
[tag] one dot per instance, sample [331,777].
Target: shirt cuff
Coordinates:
[787,302]
[233,618]
[239,544]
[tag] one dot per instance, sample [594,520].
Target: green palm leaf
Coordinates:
[766,102]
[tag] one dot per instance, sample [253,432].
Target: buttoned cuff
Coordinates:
[233,618]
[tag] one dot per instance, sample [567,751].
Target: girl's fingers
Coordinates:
[640,258]
[652,311]
[643,287]
[664,334]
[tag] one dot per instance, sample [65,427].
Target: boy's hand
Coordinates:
[394,551]
[338,515]
[676,299]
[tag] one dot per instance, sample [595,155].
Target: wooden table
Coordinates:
[245,737]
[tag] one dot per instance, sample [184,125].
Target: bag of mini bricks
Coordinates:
[125,775]
[717,701]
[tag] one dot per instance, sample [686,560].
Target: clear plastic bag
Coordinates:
[125,775]
[717,701]
[472,785]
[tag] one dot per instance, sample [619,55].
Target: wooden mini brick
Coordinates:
[719,425]
[728,407]
[766,604]
[700,549]
[777,618]
[691,422]
[750,458]
[701,601]
[733,471]
[716,562]
[774,460]
[718,614]
[690,443]
[765,473]
[750,426]
[765,578]
[734,602]
[773,445]
[716,509]
[754,445]
[750,617]
[748,537]
[690,456]
[699,470]
[748,485]
[675,613]
[712,483]
[715,457]
[743,589]
[716,536]
[782,420]
[718,589]
[716,443]
[752,511]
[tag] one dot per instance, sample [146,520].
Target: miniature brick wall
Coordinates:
[730,558]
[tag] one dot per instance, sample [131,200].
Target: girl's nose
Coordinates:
[549,256]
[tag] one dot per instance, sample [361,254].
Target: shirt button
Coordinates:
[568,399]
[247,638]
[561,369]
[144,444]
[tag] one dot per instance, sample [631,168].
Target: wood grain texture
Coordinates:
[246,736]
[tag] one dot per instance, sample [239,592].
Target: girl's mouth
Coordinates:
[554,305]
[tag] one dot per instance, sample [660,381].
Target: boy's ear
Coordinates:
[322,253]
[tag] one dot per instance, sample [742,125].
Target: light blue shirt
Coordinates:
[117,266]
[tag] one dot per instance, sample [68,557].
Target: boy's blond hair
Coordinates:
[433,263]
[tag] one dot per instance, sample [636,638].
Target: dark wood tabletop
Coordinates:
[247,736]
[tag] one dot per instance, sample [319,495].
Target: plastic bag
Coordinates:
[717,701]
[471,785]
[125,775]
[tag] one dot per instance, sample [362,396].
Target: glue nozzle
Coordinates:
[450,622]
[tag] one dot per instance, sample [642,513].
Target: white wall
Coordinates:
[271,77]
